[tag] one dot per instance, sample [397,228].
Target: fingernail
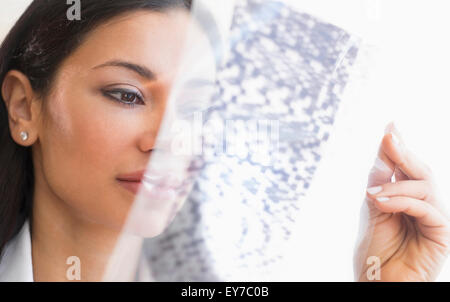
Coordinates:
[382,199]
[374,190]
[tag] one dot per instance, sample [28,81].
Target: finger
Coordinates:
[408,163]
[418,189]
[399,175]
[425,213]
[380,173]
[382,169]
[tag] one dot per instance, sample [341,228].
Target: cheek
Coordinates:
[102,139]
[85,143]
[88,137]
[82,148]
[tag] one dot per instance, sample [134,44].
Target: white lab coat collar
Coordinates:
[16,263]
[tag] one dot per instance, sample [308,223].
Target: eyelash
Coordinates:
[136,95]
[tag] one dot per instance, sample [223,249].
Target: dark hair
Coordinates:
[37,45]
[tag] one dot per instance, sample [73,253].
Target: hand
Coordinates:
[406,227]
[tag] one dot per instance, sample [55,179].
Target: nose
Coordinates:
[165,134]
[155,136]
[147,141]
[151,126]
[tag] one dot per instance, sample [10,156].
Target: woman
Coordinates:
[82,103]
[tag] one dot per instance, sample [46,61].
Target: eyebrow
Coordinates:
[139,69]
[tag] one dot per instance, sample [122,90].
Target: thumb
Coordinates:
[383,167]
[380,173]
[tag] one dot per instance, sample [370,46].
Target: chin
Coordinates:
[148,226]
[147,221]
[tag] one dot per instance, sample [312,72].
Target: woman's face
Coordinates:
[101,119]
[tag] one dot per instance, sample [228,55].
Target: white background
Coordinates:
[406,82]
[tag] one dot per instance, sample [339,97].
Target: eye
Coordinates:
[125,96]
[191,106]
[194,101]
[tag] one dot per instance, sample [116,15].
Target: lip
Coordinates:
[134,176]
[133,181]
[132,186]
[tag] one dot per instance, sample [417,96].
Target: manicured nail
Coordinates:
[374,190]
[382,199]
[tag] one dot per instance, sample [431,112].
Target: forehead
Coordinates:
[161,41]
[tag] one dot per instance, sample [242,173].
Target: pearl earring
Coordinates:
[24,135]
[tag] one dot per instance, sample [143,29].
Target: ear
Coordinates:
[22,106]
